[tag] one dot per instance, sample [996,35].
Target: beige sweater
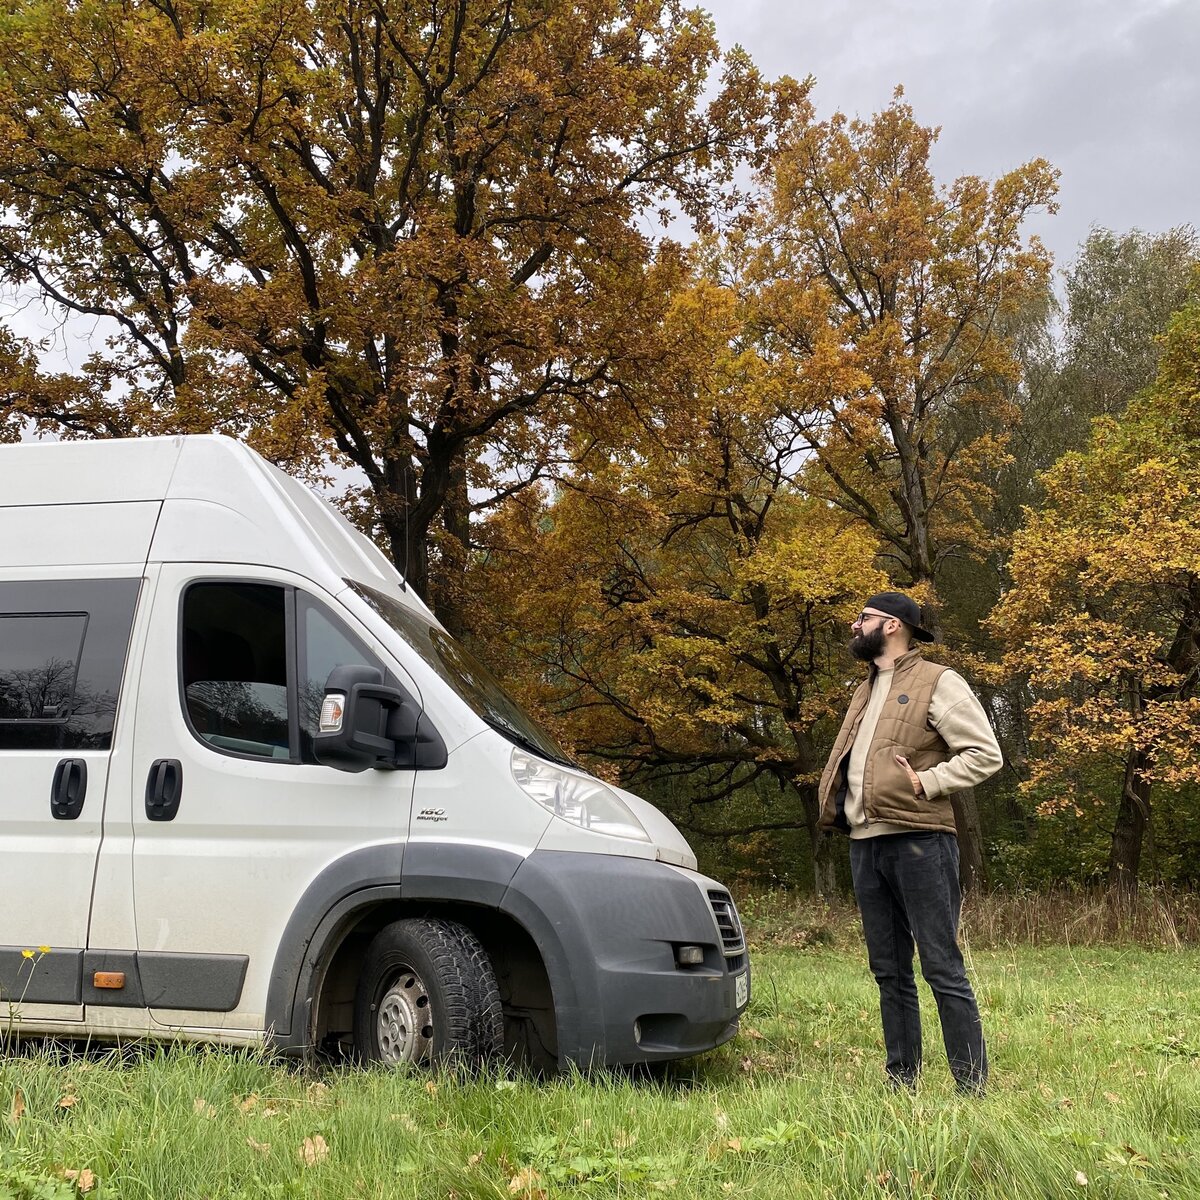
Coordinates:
[957,715]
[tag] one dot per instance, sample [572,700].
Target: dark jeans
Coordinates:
[907,890]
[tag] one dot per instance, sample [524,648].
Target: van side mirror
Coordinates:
[367,723]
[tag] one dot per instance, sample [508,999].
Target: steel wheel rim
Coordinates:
[404,1020]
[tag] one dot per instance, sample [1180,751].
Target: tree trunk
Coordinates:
[455,547]
[823,845]
[825,866]
[971,874]
[1129,832]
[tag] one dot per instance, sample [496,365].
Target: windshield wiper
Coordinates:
[513,734]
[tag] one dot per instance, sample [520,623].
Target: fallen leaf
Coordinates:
[525,1183]
[314,1150]
[883,1178]
[263,1148]
[747,1065]
[18,1106]
[250,1103]
[431,1087]
[84,1180]
[1112,1097]
[754,1033]
[1081,1179]
[734,1144]
[203,1108]
[68,1101]
[475,1160]
[318,1093]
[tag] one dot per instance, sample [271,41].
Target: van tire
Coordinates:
[427,994]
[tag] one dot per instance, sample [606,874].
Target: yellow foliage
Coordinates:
[1104,615]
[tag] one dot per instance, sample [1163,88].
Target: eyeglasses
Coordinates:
[864,616]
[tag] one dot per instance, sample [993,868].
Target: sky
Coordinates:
[1107,90]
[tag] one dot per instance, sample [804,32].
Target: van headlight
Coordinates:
[580,799]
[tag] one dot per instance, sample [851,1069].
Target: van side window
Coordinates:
[62,654]
[235,667]
[325,643]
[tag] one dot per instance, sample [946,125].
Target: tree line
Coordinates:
[647,374]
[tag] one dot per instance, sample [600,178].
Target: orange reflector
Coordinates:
[108,979]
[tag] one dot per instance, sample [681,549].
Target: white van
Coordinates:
[251,791]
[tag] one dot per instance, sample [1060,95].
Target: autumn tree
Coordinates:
[408,236]
[678,606]
[921,280]
[1103,619]
[1081,358]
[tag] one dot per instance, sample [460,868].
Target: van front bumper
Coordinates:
[608,929]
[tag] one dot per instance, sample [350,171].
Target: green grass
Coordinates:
[1096,1075]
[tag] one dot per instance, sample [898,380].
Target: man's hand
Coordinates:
[913,777]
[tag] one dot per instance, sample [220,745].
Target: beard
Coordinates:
[867,647]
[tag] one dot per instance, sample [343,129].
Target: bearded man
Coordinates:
[914,733]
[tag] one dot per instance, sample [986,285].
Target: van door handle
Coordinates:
[68,789]
[163,789]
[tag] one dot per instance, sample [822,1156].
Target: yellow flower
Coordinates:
[26,953]
[43,949]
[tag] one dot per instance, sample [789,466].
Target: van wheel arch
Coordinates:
[530,1033]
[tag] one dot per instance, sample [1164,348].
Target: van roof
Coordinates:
[220,502]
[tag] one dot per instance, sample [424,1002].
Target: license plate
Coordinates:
[741,984]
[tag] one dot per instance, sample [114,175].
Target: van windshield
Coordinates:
[465,674]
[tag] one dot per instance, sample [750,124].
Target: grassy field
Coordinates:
[1096,1092]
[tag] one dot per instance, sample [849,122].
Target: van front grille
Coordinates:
[728,922]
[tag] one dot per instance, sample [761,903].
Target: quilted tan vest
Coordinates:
[903,729]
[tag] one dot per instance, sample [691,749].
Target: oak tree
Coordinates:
[679,606]
[412,237]
[921,281]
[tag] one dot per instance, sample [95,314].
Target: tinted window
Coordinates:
[41,662]
[62,653]
[235,678]
[326,643]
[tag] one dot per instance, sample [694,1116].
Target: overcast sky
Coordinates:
[1107,90]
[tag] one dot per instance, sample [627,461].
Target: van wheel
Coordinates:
[427,994]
